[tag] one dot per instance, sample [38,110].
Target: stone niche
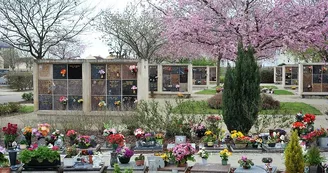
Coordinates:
[175,78]
[199,75]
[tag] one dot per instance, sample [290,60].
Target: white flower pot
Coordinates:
[204,161]
[68,162]
[323,142]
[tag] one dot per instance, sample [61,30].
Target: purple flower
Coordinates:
[147,135]
[244,158]
[2,150]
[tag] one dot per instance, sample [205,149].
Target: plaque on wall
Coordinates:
[176,70]
[113,71]
[129,102]
[75,71]
[295,70]
[45,71]
[167,70]
[45,102]
[58,105]
[98,87]
[184,78]
[307,69]
[74,104]
[45,87]
[60,87]
[294,76]
[114,87]
[317,78]
[98,71]
[307,82]
[114,103]
[129,87]
[75,87]
[127,74]
[317,69]
[95,100]
[175,79]
[59,71]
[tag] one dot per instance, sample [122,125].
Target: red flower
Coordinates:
[116,139]
[309,118]
[11,129]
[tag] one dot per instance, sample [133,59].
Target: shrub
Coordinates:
[241,96]
[294,160]
[20,80]
[267,102]
[215,102]
[313,157]
[8,108]
[267,75]
[221,79]
[28,96]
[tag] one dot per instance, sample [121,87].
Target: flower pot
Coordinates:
[271,144]
[323,142]
[224,162]
[210,144]
[204,161]
[240,145]
[140,162]
[247,166]
[12,157]
[124,160]
[182,164]
[45,163]
[68,162]
[5,170]
[113,159]
[255,146]
[22,146]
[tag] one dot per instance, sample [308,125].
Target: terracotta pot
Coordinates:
[140,162]
[5,170]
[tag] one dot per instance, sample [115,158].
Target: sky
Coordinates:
[92,39]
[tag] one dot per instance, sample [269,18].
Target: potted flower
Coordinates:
[54,137]
[224,154]
[273,139]
[4,162]
[101,72]
[313,159]
[72,135]
[10,133]
[199,130]
[84,141]
[102,104]
[63,72]
[168,157]
[70,153]
[63,100]
[159,138]
[245,163]
[140,160]
[133,69]
[41,156]
[183,153]
[322,137]
[124,154]
[134,88]
[139,133]
[204,155]
[27,133]
[117,104]
[116,140]
[23,144]
[209,138]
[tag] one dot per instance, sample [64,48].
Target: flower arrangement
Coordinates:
[177,86]
[4,162]
[159,136]
[209,136]
[109,131]
[309,118]
[63,72]
[133,69]
[116,138]
[212,119]
[324,69]
[134,88]
[54,136]
[167,156]
[245,163]
[139,133]
[80,101]
[224,154]
[43,129]
[149,137]
[101,72]
[27,132]
[183,152]
[117,103]
[10,133]
[84,141]
[242,140]
[273,138]
[298,125]
[102,104]
[63,100]
[72,134]
[199,128]
[203,153]
[124,152]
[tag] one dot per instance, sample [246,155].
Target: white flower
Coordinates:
[282,137]
[274,134]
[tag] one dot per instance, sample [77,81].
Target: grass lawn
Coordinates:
[206,91]
[282,92]
[26,109]
[286,108]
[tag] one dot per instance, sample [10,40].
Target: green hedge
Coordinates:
[267,75]
[8,108]
[20,80]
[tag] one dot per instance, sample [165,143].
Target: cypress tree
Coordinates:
[241,96]
[294,160]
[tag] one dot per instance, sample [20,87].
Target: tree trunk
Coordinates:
[218,65]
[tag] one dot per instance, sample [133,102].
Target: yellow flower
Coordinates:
[208,132]
[234,135]
[234,131]
[164,157]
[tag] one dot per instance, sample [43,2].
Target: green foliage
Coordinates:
[203,62]
[26,109]
[20,80]
[267,102]
[294,160]
[215,102]
[40,154]
[222,79]
[117,169]
[28,96]
[313,157]
[4,162]
[8,108]
[241,96]
[267,75]
[140,157]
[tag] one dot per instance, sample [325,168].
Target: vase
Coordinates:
[140,162]
[210,144]
[68,162]
[5,170]
[12,157]
[113,159]
[240,145]
[182,164]
[115,146]
[22,146]
[124,160]
[247,166]
[224,161]
[204,161]
[271,144]
[71,141]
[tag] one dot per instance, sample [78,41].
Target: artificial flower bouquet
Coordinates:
[209,136]
[183,153]
[139,133]
[84,141]
[124,152]
[102,104]
[117,140]
[133,69]
[203,153]
[72,134]
[199,129]
[224,154]
[63,100]
[109,131]
[101,72]
[10,133]
[245,163]
[43,130]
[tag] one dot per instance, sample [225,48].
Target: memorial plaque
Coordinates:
[184,78]
[317,78]
[75,87]
[288,76]
[183,87]
[45,86]
[114,87]
[129,102]
[98,87]
[114,72]
[316,88]
[288,69]
[127,74]
[153,78]
[58,105]
[307,69]
[75,71]
[95,69]
[95,101]
[45,71]
[59,71]
[294,82]
[175,79]
[153,70]
[307,80]
[45,102]
[111,103]
[317,69]
[288,82]
[60,87]
[73,103]
[127,87]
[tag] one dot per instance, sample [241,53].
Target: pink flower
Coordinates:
[244,158]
